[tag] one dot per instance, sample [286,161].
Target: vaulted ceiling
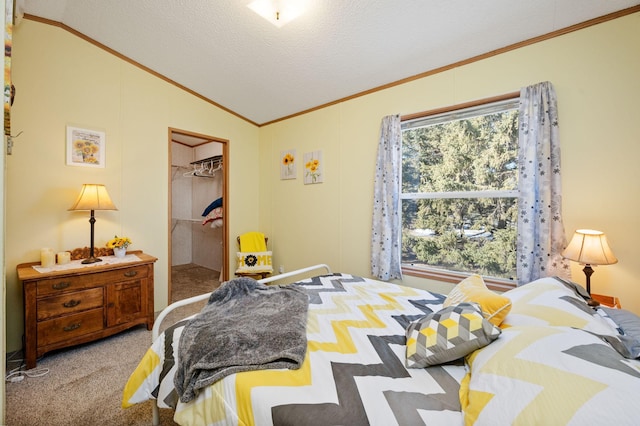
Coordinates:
[226,53]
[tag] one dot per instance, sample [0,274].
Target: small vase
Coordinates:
[119,251]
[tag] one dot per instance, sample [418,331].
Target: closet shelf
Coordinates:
[207,167]
[215,160]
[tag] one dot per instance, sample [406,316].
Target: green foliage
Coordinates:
[462,234]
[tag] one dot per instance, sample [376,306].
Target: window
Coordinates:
[459,191]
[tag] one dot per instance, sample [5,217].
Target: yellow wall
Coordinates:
[62,79]
[595,72]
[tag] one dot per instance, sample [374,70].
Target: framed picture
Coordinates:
[85,147]
[288,164]
[313,167]
[9,89]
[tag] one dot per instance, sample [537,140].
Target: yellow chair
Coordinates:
[254,260]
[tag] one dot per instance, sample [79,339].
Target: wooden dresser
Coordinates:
[72,306]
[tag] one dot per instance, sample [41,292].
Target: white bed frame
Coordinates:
[155,332]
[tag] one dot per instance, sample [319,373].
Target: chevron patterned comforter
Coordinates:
[550,366]
[353,374]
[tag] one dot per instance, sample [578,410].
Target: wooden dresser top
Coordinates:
[26,272]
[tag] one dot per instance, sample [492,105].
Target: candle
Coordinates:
[47,258]
[64,257]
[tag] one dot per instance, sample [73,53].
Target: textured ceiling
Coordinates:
[225,52]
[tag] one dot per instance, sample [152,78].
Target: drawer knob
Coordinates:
[72,327]
[71,303]
[61,285]
[130,274]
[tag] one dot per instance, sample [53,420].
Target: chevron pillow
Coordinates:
[447,335]
[495,307]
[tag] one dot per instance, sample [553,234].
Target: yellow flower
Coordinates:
[122,242]
[287,159]
[313,166]
[78,144]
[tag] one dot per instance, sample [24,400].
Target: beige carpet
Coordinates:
[84,384]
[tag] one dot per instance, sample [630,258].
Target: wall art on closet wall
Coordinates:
[288,164]
[85,147]
[313,167]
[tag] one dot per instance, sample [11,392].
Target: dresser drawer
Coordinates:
[70,326]
[73,283]
[69,303]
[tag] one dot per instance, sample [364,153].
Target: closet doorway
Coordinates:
[198,234]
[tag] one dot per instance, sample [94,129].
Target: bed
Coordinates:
[383,354]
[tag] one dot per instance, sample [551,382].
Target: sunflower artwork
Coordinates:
[288,164]
[313,167]
[85,147]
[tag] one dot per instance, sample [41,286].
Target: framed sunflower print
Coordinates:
[288,164]
[85,147]
[313,165]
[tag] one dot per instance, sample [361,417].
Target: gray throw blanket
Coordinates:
[244,326]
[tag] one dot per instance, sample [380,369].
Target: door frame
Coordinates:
[225,196]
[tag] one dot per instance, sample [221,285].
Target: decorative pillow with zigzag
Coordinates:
[549,301]
[447,335]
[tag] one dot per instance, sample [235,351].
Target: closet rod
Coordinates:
[176,221]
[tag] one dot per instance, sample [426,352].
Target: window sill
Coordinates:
[493,283]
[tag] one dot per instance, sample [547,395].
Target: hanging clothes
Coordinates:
[217,203]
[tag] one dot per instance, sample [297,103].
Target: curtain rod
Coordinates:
[450,108]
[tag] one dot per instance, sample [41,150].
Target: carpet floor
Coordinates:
[84,383]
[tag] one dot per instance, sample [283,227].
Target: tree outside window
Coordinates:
[459,190]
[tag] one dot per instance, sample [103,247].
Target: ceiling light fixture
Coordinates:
[278,12]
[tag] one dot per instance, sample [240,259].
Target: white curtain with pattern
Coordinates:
[386,232]
[541,236]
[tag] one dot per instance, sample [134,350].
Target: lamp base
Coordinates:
[593,303]
[91,260]
[588,271]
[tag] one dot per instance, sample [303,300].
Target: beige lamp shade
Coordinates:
[589,247]
[93,197]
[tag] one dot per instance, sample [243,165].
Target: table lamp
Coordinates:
[93,197]
[589,247]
